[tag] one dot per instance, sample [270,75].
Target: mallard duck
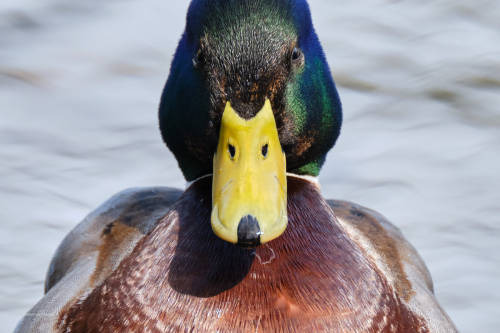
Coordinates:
[250,111]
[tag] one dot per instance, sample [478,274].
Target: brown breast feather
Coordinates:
[181,277]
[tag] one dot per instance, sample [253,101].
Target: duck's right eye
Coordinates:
[198,59]
[232,150]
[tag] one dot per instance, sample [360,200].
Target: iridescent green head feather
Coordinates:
[244,52]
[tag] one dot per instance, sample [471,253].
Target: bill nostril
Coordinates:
[232,150]
[265,149]
[249,232]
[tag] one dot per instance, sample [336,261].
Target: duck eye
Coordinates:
[232,150]
[198,59]
[296,54]
[265,149]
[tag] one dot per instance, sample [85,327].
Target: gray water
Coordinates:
[420,83]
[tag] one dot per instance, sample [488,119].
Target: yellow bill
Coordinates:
[249,179]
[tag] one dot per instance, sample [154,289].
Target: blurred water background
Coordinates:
[420,83]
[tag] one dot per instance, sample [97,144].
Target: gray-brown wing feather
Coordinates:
[396,258]
[94,248]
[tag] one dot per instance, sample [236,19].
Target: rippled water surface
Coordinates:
[420,83]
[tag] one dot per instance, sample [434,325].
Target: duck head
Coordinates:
[249,98]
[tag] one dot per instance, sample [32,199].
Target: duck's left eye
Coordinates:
[297,57]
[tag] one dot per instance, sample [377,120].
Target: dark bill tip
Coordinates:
[248,232]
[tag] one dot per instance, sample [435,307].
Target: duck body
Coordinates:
[327,272]
[250,111]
